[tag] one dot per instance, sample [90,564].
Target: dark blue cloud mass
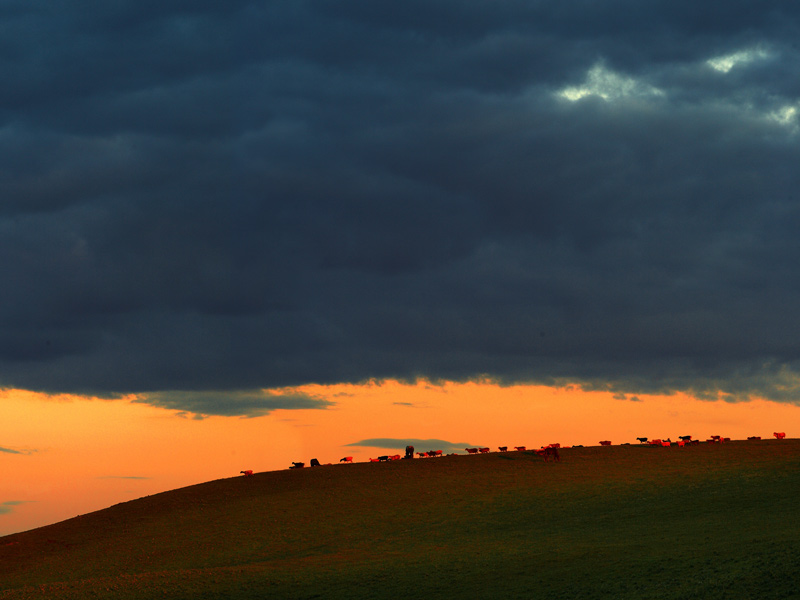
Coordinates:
[241,196]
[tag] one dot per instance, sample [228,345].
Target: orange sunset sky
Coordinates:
[69,455]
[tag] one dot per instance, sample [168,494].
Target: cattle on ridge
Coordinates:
[779,436]
[471,450]
[519,448]
[642,440]
[503,448]
[346,459]
[248,473]
[605,443]
[547,451]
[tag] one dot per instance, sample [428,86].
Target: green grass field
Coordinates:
[706,521]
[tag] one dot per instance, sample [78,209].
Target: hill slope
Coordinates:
[713,520]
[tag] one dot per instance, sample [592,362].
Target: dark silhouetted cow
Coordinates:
[483,450]
[247,473]
[297,465]
[549,451]
[346,459]
[605,443]
[754,437]
[471,450]
[642,440]
[503,448]
[519,448]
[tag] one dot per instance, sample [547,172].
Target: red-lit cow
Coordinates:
[519,448]
[483,450]
[471,450]
[346,459]
[780,435]
[247,473]
[605,443]
[754,438]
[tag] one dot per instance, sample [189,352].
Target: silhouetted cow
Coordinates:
[754,437]
[409,452]
[519,448]
[433,453]
[422,454]
[346,459]
[297,465]
[685,438]
[314,462]
[247,473]
[471,450]
[483,450]
[549,451]
[642,440]
[779,436]
[605,443]
[503,448]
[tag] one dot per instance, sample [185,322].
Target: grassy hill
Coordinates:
[706,521]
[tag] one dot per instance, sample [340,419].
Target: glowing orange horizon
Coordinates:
[73,454]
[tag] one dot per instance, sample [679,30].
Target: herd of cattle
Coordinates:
[547,452]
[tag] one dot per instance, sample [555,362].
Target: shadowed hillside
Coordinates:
[713,520]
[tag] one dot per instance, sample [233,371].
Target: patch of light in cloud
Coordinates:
[608,85]
[787,116]
[723,64]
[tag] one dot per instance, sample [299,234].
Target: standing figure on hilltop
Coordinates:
[409,452]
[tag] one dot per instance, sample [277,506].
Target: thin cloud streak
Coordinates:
[420,445]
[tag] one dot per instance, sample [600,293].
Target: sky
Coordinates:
[216,216]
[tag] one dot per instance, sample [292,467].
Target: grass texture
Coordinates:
[624,522]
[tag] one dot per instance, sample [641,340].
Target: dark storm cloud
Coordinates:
[199,196]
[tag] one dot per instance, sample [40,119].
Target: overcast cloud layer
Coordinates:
[240,195]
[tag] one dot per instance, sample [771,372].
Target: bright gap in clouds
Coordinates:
[608,85]
[723,64]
